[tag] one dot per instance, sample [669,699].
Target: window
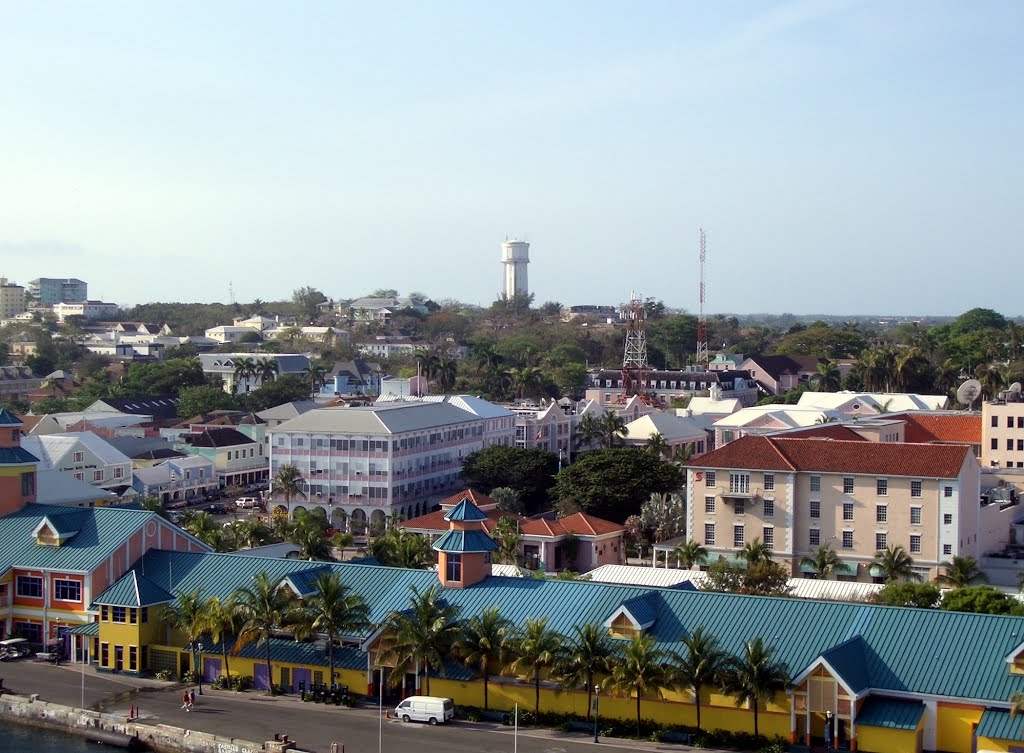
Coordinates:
[915,543]
[1009,444]
[454,567]
[30,586]
[768,536]
[741,507]
[1009,422]
[119,472]
[104,613]
[815,483]
[97,475]
[881,513]
[847,484]
[947,519]
[882,487]
[80,476]
[995,421]
[815,508]
[104,654]
[1020,422]
[709,505]
[814,537]
[28,484]
[133,658]
[31,631]
[709,479]
[915,488]
[739,483]
[994,444]
[915,516]
[67,590]
[769,482]
[947,549]
[738,536]
[947,491]
[847,539]
[881,541]
[78,457]
[709,534]
[144,615]
[118,614]
[133,616]
[769,508]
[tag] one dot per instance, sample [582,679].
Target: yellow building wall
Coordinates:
[880,740]
[992,745]
[955,726]
[119,634]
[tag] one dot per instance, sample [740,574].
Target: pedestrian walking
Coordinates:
[192,698]
[185,701]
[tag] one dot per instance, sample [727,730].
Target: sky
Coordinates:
[842,157]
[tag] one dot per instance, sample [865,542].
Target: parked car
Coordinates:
[216,508]
[425,708]
[247,503]
[212,494]
[174,516]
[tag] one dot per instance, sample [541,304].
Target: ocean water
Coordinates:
[15,738]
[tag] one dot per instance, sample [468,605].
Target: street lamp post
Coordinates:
[199,665]
[597,694]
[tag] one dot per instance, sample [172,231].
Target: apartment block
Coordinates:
[858,497]
[1002,427]
[48,291]
[12,299]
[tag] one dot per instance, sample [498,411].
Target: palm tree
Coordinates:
[203,526]
[588,431]
[535,647]
[825,561]
[826,377]
[992,378]
[527,381]
[640,668]
[754,677]
[895,564]
[755,551]
[613,429]
[222,619]
[267,369]
[397,547]
[189,614]
[1017,699]
[332,610]
[506,534]
[251,533]
[447,373]
[244,368]
[316,374]
[702,666]
[587,656]
[263,608]
[155,506]
[690,553]
[421,635]
[657,446]
[288,482]
[482,641]
[962,571]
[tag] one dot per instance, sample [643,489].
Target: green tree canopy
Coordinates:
[614,483]
[285,389]
[977,319]
[165,377]
[823,342]
[921,595]
[204,398]
[981,600]
[528,471]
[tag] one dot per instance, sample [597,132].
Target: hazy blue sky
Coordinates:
[843,157]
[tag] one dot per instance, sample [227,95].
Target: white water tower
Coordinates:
[515,255]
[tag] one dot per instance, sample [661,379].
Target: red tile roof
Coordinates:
[826,431]
[837,456]
[964,428]
[579,524]
[477,498]
[582,524]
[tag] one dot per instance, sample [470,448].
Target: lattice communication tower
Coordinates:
[702,322]
[635,371]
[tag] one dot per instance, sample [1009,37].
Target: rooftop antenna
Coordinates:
[968,392]
[635,370]
[231,293]
[702,322]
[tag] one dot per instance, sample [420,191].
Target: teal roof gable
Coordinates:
[465,541]
[16,456]
[8,419]
[133,590]
[849,661]
[998,724]
[890,713]
[465,512]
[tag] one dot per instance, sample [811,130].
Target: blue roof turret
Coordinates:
[465,512]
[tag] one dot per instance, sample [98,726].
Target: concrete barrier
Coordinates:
[161,737]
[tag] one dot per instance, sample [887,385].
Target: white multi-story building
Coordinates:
[88,309]
[372,462]
[239,381]
[84,456]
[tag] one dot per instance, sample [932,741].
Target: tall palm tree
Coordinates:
[263,608]
[316,374]
[826,377]
[613,429]
[588,655]
[267,369]
[754,677]
[203,526]
[332,610]
[527,381]
[222,620]
[946,375]
[288,481]
[588,431]
[895,564]
[992,378]
[422,634]
[690,553]
[506,534]
[960,572]
[536,647]
[657,446]
[244,368]
[251,533]
[189,614]
[702,665]
[447,373]
[825,561]
[755,551]
[482,641]
[639,668]
[397,547]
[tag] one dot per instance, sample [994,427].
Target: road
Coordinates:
[256,717]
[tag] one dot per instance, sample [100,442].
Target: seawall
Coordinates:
[161,737]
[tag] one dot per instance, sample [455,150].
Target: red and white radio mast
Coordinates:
[702,322]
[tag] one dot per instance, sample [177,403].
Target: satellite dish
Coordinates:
[968,392]
[1016,387]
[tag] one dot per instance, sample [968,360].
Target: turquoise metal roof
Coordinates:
[466,512]
[955,654]
[890,713]
[848,660]
[16,456]
[8,419]
[643,609]
[999,725]
[293,652]
[134,590]
[68,521]
[101,531]
[89,628]
[303,582]
[465,541]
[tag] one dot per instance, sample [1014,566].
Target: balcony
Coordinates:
[741,492]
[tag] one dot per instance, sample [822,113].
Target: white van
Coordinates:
[425,708]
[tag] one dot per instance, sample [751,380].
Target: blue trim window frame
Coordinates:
[67,590]
[119,614]
[30,586]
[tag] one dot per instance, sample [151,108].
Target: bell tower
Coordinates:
[17,466]
[464,552]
